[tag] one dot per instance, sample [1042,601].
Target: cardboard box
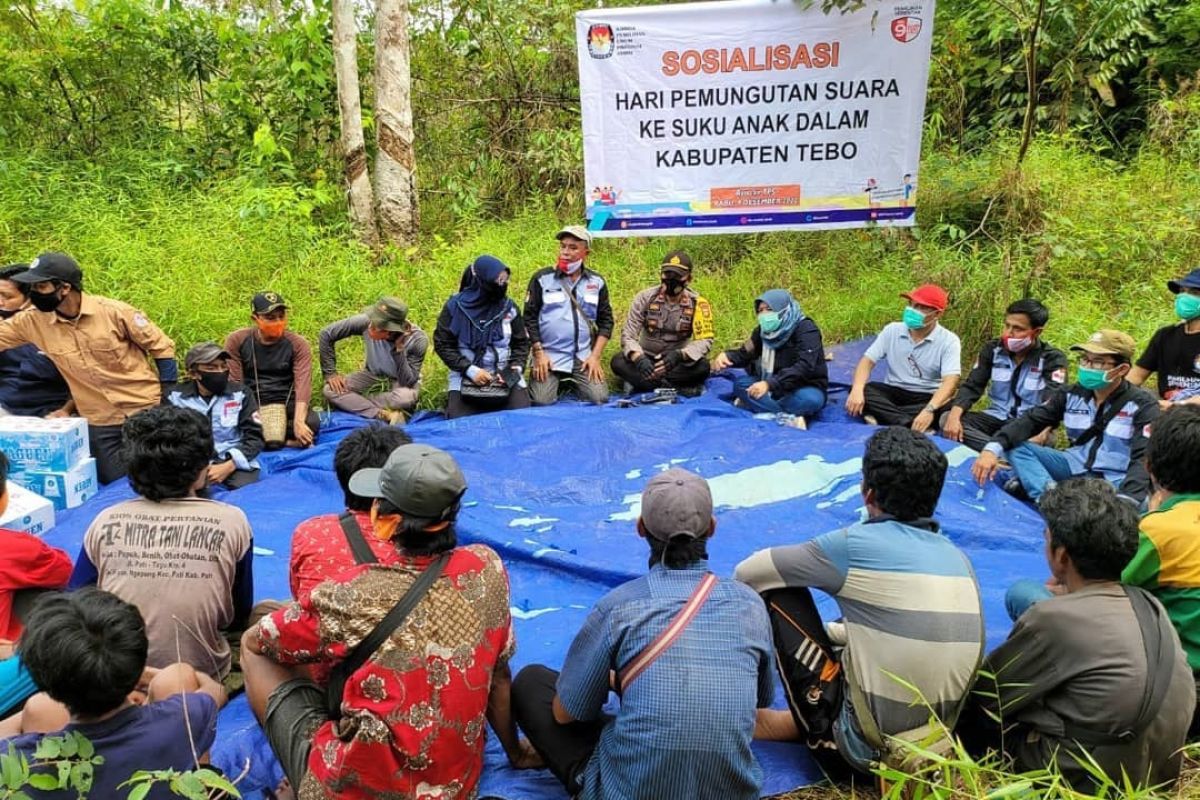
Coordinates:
[27,511]
[48,445]
[68,489]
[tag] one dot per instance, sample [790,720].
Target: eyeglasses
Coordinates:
[1096,363]
[914,366]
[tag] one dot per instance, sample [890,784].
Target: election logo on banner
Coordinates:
[905,29]
[751,115]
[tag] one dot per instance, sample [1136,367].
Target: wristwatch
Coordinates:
[931,408]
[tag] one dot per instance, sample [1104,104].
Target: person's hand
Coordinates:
[141,692]
[541,366]
[984,468]
[645,367]
[953,428]
[720,362]
[482,378]
[671,358]
[593,369]
[855,401]
[219,473]
[1054,587]
[304,434]
[337,385]
[58,413]
[758,389]
[525,757]
[1042,437]
[922,421]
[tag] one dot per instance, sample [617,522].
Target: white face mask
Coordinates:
[569,267]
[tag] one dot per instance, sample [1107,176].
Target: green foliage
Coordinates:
[59,762]
[199,784]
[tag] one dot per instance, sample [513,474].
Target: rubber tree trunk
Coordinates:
[395,167]
[358,178]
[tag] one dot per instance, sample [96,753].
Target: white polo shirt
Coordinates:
[916,366]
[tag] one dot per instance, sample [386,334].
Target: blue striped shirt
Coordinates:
[684,726]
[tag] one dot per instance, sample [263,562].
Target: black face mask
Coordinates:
[495,291]
[6,314]
[674,285]
[214,382]
[45,302]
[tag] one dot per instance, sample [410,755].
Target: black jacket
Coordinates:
[799,361]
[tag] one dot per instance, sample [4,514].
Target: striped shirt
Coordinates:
[684,726]
[1167,564]
[912,613]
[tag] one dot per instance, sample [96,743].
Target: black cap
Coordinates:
[52,267]
[677,260]
[266,302]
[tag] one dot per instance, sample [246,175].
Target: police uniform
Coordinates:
[564,319]
[658,324]
[1012,388]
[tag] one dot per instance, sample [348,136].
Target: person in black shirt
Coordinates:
[1174,351]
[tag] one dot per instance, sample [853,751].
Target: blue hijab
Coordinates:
[475,313]
[780,301]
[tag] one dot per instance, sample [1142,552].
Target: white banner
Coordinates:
[751,115]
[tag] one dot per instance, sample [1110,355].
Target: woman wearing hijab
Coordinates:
[785,359]
[481,337]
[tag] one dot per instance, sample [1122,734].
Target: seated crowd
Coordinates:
[383,671]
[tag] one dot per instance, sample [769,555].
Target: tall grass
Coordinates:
[1094,239]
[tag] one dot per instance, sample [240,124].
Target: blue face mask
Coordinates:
[1093,379]
[1187,306]
[769,321]
[913,319]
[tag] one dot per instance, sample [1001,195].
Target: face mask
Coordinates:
[271,329]
[45,302]
[1093,379]
[912,318]
[1017,344]
[378,334]
[769,321]
[384,525]
[1187,306]
[214,382]
[674,285]
[569,267]
[6,314]
[495,291]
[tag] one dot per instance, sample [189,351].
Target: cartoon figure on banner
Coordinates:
[872,185]
[600,40]
[604,196]
[907,185]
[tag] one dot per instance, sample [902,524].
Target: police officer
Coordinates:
[1107,420]
[668,333]
[569,320]
[231,410]
[1018,370]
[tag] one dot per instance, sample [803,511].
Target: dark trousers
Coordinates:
[891,405]
[459,406]
[242,477]
[685,375]
[979,428]
[105,443]
[566,749]
[811,675]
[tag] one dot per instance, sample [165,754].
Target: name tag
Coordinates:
[591,297]
[1077,420]
[554,297]
[1121,427]
[229,413]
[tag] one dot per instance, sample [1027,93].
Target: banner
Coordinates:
[751,115]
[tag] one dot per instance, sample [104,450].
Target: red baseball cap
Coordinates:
[928,294]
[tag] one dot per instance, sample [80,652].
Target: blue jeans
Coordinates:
[804,402]
[15,683]
[1037,467]
[1022,594]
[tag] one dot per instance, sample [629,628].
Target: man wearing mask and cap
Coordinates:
[411,714]
[1018,370]
[1106,418]
[1174,351]
[668,333]
[100,346]
[232,413]
[30,385]
[395,350]
[923,366]
[275,366]
[569,321]
[693,664]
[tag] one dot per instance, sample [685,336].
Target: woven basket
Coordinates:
[274,419]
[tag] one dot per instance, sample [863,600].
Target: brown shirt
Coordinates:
[657,324]
[101,355]
[177,562]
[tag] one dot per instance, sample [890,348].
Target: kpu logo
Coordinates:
[600,40]
[905,29]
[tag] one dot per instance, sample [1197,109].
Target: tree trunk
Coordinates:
[345,64]
[1031,81]
[395,168]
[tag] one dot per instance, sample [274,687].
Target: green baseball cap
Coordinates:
[420,480]
[388,314]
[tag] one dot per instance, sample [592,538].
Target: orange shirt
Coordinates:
[101,355]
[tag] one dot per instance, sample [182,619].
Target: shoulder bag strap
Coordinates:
[363,554]
[1113,406]
[367,647]
[650,653]
[591,326]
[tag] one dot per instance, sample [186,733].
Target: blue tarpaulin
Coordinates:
[555,491]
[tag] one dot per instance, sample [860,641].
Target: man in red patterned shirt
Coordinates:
[320,549]
[412,717]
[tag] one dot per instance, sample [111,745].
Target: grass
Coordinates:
[1094,239]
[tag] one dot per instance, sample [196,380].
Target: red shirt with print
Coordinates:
[26,562]
[320,551]
[414,716]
